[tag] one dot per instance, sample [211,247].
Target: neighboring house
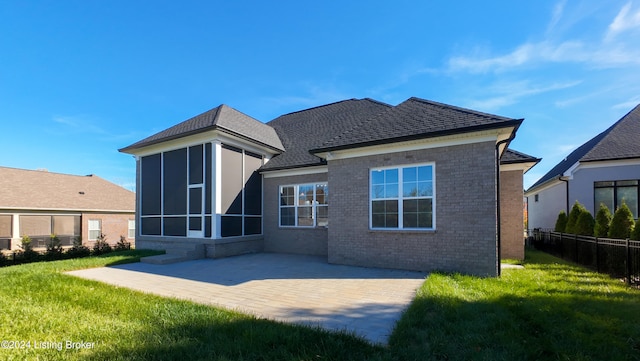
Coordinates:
[40,203]
[360,182]
[605,169]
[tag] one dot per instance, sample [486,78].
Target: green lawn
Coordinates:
[549,310]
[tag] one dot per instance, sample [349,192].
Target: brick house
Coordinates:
[41,203]
[412,186]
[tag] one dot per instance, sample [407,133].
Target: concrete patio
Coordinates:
[289,288]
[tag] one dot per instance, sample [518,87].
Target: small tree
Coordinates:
[635,234]
[573,217]
[561,222]
[101,246]
[122,244]
[621,223]
[26,253]
[54,248]
[584,224]
[603,220]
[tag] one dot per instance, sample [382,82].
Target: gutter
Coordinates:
[566,182]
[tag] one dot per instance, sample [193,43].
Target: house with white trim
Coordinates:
[605,169]
[420,186]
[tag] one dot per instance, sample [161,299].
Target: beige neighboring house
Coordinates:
[41,203]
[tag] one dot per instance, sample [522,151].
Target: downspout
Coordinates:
[566,182]
[498,215]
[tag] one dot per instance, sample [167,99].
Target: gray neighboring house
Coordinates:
[360,182]
[605,169]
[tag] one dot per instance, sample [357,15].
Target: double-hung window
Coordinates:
[94,229]
[304,205]
[402,197]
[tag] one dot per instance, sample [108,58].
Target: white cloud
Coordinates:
[558,10]
[80,124]
[626,19]
[510,93]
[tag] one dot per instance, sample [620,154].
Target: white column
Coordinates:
[216,221]
[15,228]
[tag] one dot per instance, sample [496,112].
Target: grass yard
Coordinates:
[550,310]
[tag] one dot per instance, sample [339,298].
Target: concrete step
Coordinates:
[177,253]
[163,259]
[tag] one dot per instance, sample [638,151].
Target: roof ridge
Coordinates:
[46,171]
[316,107]
[607,131]
[461,109]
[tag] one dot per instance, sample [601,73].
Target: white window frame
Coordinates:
[93,229]
[131,228]
[400,198]
[314,204]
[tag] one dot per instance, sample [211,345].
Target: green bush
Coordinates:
[635,234]
[78,249]
[584,224]
[573,217]
[54,248]
[603,220]
[561,222]
[4,261]
[26,253]
[122,244]
[621,223]
[101,246]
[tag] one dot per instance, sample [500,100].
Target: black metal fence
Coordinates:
[619,258]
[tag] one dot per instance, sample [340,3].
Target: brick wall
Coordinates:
[512,215]
[465,235]
[113,225]
[312,241]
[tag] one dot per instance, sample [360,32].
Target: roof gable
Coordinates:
[42,190]
[415,118]
[222,117]
[619,141]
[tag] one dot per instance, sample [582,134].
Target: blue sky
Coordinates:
[80,79]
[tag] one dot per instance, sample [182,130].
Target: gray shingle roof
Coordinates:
[620,141]
[41,190]
[222,117]
[415,118]
[511,156]
[307,129]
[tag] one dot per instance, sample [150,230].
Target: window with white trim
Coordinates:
[402,198]
[94,229]
[131,229]
[304,205]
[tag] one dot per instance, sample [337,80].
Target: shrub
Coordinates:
[4,261]
[122,244]
[26,252]
[635,234]
[603,220]
[573,217]
[54,248]
[101,246]
[561,222]
[78,249]
[584,224]
[621,223]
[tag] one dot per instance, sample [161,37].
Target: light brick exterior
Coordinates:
[113,225]
[511,215]
[465,236]
[312,241]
